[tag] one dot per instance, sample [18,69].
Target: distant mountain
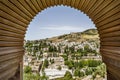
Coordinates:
[90,34]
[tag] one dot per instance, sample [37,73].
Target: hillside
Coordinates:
[76,52]
[90,34]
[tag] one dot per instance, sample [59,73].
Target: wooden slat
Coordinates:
[108,14]
[8,73]
[5,21]
[20,6]
[68,3]
[24,4]
[108,25]
[83,4]
[114,72]
[109,7]
[11,28]
[72,3]
[111,50]
[111,34]
[111,29]
[31,6]
[80,5]
[111,39]
[110,43]
[86,5]
[44,4]
[60,2]
[111,55]
[64,2]
[48,3]
[76,4]
[11,18]
[10,56]
[112,63]
[36,5]
[90,6]
[15,9]
[6,38]
[103,5]
[56,1]
[10,50]
[95,10]
[4,65]
[39,4]
[110,19]
[3,44]
[52,2]
[11,12]
[12,34]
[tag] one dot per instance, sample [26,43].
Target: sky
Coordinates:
[57,21]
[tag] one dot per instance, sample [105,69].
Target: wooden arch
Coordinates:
[15,15]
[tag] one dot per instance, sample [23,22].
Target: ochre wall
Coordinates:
[15,16]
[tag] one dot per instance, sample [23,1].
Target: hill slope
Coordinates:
[90,34]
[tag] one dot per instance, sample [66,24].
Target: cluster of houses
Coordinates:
[52,70]
[35,63]
[32,62]
[62,44]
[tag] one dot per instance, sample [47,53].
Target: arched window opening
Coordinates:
[62,41]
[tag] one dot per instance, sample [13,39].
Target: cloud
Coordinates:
[65,28]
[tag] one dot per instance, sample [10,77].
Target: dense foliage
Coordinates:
[27,69]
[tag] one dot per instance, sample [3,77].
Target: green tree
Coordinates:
[29,76]
[52,61]
[81,73]
[46,63]
[27,69]
[37,76]
[94,63]
[68,76]
[66,62]
[72,49]
[88,71]
[66,50]
[82,63]
[44,77]
[77,73]
[59,49]
[50,49]
[54,49]
[70,64]
[86,47]
[65,57]
[59,68]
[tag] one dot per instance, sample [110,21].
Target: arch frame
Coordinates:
[16,15]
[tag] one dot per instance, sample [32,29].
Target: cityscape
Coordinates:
[73,56]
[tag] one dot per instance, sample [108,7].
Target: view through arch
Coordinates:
[16,15]
[76,51]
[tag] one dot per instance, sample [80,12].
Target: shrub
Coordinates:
[59,68]
[27,69]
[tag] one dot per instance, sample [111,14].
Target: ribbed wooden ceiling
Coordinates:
[15,16]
